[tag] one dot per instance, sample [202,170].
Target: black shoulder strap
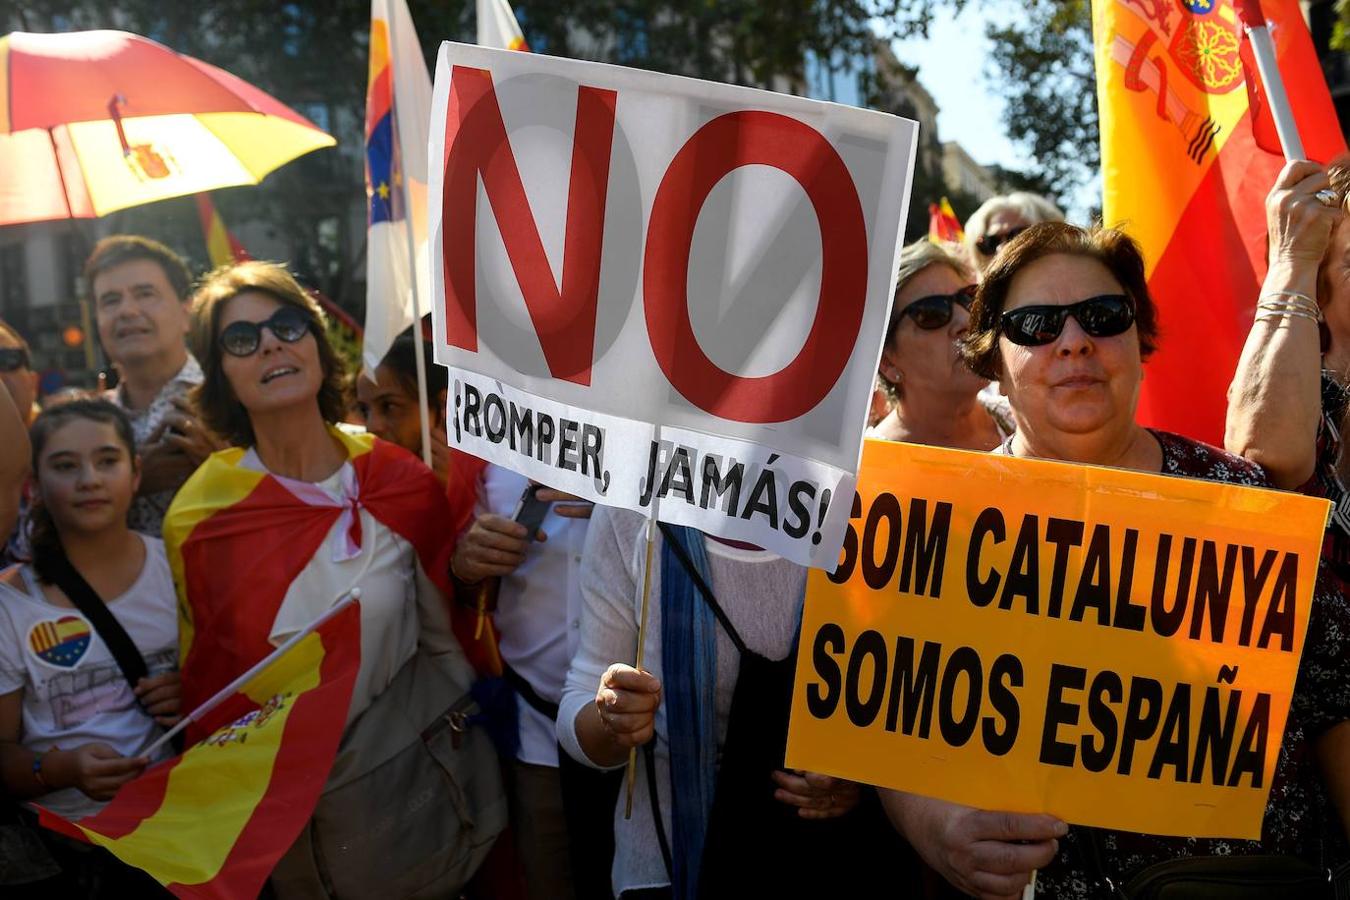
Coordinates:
[87,601]
[702,585]
[527,693]
[649,758]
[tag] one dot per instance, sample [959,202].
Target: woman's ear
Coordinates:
[135,473]
[887,367]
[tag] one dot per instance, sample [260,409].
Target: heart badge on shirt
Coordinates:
[60,642]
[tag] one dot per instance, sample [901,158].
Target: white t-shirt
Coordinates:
[73,691]
[538,610]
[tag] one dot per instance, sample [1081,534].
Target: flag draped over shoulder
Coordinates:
[1188,156]
[213,822]
[398,115]
[237,537]
[497,26]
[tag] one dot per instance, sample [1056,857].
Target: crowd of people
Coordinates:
[481,590]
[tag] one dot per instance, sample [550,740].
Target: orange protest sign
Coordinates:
[1115,648]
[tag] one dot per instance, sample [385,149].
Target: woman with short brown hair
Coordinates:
[220,407]
[267,535]
[1064,321]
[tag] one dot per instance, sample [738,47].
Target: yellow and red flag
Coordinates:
[1188,156]
[213,822]
[943,225]
[221,246]
[237,536]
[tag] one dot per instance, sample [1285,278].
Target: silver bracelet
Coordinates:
[1265,313]
[1292,296]
[1310,308]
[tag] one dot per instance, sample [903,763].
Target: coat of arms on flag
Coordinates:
[212,822]
[1189,153]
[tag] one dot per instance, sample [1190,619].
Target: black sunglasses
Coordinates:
[935,310]
[13,359]
[242,338]
[989,244]
[1104,316]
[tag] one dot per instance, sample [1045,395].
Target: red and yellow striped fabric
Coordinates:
[236,539]
[1188,156]
[213,822]
[221,246]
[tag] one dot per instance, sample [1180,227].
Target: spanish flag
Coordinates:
[237,537]
[213,822]
[221,246]
[943,225]
[1188,156]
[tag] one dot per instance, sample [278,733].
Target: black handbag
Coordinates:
[1251,877]
[1231,878]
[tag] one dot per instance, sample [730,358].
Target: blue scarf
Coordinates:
[689,665]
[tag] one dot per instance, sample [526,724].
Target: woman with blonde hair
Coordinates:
[1000,219]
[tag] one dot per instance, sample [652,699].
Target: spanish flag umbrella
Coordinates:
[96,121]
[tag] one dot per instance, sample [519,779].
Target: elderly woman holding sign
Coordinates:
[1064,321]
[266,536]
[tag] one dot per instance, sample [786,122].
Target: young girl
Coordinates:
[71,728]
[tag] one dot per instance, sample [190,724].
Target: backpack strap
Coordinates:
[65,576]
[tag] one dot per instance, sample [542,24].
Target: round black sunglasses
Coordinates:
[1106,315]
[243,338]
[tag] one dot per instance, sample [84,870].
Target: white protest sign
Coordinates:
[664,294]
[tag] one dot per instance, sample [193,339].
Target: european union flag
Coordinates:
[381,169]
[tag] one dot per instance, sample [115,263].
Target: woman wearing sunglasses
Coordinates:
[269,534]
[18,390]
[933,395]
[1000,219]
[1064,321]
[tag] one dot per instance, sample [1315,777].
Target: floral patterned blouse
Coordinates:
[1326,479]
[1299,819]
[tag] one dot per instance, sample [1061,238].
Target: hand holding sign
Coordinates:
[626,705]
[1116,648]
[989,855]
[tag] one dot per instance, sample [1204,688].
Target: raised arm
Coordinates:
[1275,400]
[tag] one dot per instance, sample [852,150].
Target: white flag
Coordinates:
[497,26]
[398,110]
